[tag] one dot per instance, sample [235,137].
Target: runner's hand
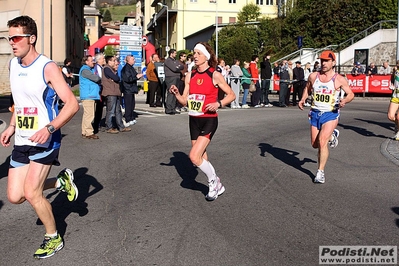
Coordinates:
[173,89]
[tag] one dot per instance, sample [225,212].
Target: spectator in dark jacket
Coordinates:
[129,88]
[299,83]
[173,70]
[265,75]
[284,82]
[372,69]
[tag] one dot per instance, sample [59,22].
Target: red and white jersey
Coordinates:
[202,92]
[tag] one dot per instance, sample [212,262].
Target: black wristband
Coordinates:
[220,104]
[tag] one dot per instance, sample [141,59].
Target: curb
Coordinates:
[390,149]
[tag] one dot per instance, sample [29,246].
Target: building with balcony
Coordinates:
[187,17]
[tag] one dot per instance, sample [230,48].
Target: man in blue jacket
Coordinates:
[89,92]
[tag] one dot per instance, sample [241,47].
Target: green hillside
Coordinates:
[119,12]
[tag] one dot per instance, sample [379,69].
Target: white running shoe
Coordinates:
[306,104]
[215,189]
[245,106]
[334,141]
[125,124]
[319,177]
[396,137]
[133,122]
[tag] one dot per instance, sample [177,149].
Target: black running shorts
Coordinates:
[202,126]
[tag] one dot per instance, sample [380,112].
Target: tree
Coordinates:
[238,42]
[109,50]
[320,26]
[250,12]
[107,16]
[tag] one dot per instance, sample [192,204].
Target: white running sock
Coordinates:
[208,169]
[52,235]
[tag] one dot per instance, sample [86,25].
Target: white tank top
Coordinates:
[325,96]
[34,100]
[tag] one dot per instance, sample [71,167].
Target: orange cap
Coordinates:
[327,55]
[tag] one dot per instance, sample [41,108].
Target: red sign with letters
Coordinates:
[357,83]
[380,84]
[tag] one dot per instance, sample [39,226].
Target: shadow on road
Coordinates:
[62,207]
[5,102]
[4,167]
[1,204]
[388,125]
[286,156]
[396,210]
[365,132]
[187,171]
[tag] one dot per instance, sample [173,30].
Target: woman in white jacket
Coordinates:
[235,82]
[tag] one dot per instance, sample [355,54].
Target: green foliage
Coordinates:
[250,12]
[107,16]
[109,50]
[118,13]
[236,42]
[320,25]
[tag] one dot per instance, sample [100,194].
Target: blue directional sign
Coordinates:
[137,55]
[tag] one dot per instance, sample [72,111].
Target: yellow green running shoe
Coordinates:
[65,177]
[49,247]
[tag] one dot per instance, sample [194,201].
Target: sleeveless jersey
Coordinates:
[202,92]
[395,91]
[35,103]
[325,96]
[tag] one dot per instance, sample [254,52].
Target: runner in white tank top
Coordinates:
[325,87]
[35,80]
[325,96]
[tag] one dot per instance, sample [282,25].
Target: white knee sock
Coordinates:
[208,169]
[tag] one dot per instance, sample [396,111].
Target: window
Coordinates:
[269,2]
[232,1]
[90,21]
[220,20]
[193,1]
[259,2]
[232,20]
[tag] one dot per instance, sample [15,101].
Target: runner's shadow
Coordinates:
[4,167]
[362,131]
[396,210]
[187,171]
[386,125]
[1,204]
[287,156]
[87,186]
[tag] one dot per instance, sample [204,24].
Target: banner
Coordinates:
[379,84]
[357,83]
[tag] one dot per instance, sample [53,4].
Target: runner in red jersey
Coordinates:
[200,96]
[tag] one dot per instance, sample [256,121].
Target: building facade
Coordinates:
[60,25]
[185,17]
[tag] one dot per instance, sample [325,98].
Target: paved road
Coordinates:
[142,202]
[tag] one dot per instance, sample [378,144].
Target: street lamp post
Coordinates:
[167,26]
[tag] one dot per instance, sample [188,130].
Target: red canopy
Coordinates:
[103,41]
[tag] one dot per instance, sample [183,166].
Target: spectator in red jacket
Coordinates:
[253,69]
